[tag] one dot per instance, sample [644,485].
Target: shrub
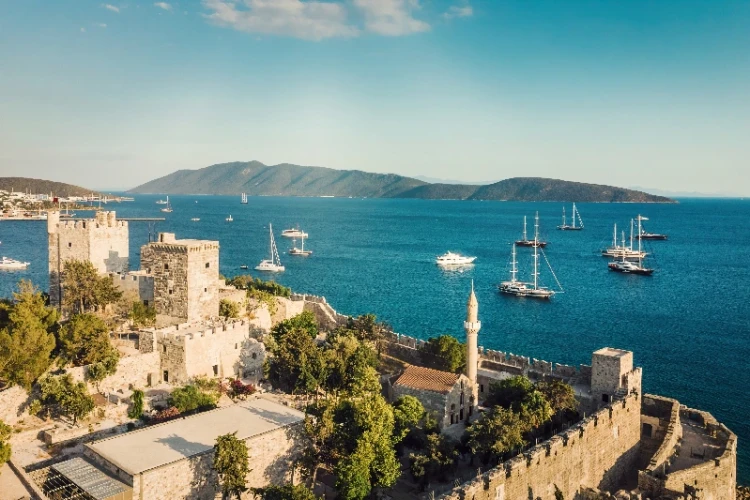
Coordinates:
[229,309]
[238,389]
[189,398]
[165,415]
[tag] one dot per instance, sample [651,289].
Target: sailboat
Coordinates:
[299,251]
[272,264]
[643,235]
[628,266]
[521,289]
[573,216]
[618,251]
[229,219]
[525,242]
[243,200]
[168,208]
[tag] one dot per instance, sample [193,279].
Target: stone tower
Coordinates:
[472,326]
[103,241]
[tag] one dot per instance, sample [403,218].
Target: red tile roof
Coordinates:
[427,379]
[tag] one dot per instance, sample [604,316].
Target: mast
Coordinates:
[270,240]
[623,246]
[524,229]
[631,235]
[514,270]
[614,237]
[573,215]
[563,222]
[536,249]
[640,257]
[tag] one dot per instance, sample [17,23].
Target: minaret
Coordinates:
[472,326]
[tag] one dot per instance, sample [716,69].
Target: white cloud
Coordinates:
[391,17]
[111,7]
[310,20]
[459,11]
[163,5]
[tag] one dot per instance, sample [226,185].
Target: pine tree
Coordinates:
[231,465]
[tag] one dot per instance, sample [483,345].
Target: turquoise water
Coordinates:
[688,325]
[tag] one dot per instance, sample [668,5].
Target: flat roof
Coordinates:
[154,446]
[611,351]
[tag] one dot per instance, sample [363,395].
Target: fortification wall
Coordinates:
[661,428]
[599,452]
[137,370]
[137,284]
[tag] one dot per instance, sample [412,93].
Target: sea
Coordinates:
[688,324]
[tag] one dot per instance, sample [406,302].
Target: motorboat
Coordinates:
[243,266]
[195,219]
[273,263]
[294,233]
[8,264]
[645,235]
[454,259]
[161,202]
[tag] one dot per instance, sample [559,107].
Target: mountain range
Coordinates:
[257,179]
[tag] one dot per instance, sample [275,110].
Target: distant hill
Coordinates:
[41,186]
[257,179]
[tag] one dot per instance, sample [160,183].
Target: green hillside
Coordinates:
[41,186]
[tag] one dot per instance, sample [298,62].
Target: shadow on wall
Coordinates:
[283,470]
[623,474]
[115,263]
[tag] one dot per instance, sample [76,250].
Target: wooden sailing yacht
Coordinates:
[573,216]
[525,242]
[628,266]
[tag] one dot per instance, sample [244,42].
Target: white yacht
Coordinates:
[161,202]
[9,264]
[195,219]
[622,251]
[294,233]
[628,266]
[454,259]
[272,264]
[229,219]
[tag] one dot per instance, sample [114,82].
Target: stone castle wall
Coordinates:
[136,284]
[597,453]
[103,241]
[661,429]
[203,281]
[138,370]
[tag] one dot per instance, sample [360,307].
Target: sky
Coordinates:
[651,93]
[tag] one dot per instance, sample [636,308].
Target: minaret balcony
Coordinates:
[472,325]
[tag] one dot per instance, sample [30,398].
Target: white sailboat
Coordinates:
[532,290]
[229,219]
[622,251]
[273,264]
[168,208]
[299,251]
[243,200]
[574,215]
[628,266]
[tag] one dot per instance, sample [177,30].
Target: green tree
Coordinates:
[438,459]
[63,396]
[84,340]
[26,338]
[5,449]
[347,363]
[496,433]
[297,364]
[509,391]
[407,413]
[534,410]
[136,411]
[560,395]
[142,315]
[231,464]
[286,492]
[229,309]
[189,398]
[444,353]
[84,289]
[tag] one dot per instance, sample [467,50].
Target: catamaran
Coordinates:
[299,251]
[8,264]
[628,266]
[572,227]
[243,200]
[532,290]
[525,242]
[620,251]
[168,208]
[294,233]
[643,235]
[272,264]
[454,259]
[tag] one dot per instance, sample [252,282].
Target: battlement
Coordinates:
[185,332]
[169,243]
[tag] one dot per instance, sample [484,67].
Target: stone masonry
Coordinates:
[102,240]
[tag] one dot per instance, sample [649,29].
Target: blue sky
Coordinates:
[647,93]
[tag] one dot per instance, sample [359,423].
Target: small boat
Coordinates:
[618,251]
[8,264]
[168,208]
[454,259]
[644,235]
[572,227]
[273,263]
[243,199]
[299,251]
[532,290]
[628,266]
[525,242]
[195,219]
[161,202]
[243,266]
[229,219]
[294,233]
